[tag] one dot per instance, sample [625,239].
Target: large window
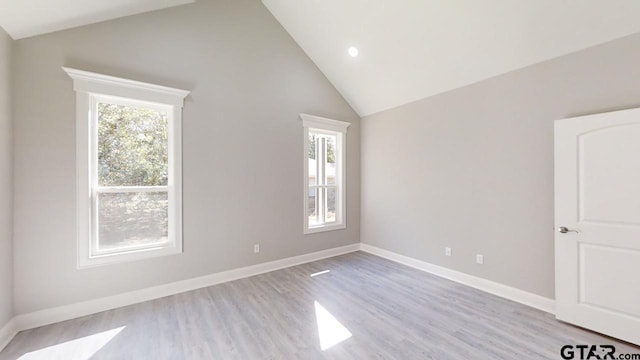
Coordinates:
[324,185]
[128,168]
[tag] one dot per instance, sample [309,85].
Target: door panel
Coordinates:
[597,194]
[598,266]
[604,167]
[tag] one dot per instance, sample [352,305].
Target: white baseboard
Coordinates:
[507,292]
[7,332]
[67,312]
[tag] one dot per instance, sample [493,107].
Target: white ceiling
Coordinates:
[24,18]
[411,49]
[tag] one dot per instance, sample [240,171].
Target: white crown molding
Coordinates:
[317,122]
[89,82]
[504,291]
[72,311]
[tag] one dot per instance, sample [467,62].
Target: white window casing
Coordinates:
[327,133]
[92,89]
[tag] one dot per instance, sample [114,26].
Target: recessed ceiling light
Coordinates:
[353,51]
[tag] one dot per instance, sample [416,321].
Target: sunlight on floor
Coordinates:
[78,349]
[330,331]
[320,273]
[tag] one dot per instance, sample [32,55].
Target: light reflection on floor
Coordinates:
[79,349]
[320,273]
[330,331]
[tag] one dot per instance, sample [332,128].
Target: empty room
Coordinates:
[319,179]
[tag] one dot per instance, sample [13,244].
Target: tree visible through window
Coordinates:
[132,152]
[129,166]
[322,178]
[132,146]
[331,151]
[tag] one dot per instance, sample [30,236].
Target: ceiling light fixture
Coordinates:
[353,51]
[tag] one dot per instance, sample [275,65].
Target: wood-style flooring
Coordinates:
[391,311]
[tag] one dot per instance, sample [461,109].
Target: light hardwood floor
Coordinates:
[392,312]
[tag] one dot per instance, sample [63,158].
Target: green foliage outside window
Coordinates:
[132,151]
[132,146]
[331,154]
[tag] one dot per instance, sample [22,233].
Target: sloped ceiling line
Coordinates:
[410,49]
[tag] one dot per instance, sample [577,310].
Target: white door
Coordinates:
[597,216]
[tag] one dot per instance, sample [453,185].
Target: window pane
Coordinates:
[312,146]
[132,146]
[330,164]
[331,205]
[312,210]
[312,160]
[132,219]
[312,172]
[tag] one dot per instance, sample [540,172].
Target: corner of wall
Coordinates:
[7,328]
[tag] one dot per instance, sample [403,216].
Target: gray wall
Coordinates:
[242,149]
[473,168]
[6,182]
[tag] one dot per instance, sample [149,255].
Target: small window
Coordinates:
[129,171]
[324,184]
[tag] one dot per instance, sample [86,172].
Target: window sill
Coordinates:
[318,229]
[134,255]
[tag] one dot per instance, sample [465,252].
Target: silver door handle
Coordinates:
[564,230]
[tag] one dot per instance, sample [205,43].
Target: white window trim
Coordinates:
[339,128]
[89,88]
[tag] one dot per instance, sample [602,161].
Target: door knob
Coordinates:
[564,230]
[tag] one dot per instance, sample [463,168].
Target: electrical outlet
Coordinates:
[256,248]
[480,259]
[447,251]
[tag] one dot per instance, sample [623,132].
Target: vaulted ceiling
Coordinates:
[24,18]
[411,49]
[408,49]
